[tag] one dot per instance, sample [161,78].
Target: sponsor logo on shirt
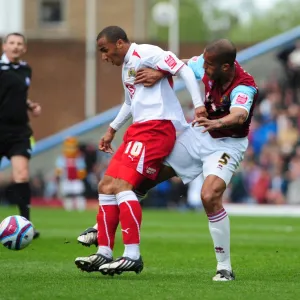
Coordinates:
[170,61]
[241,99]
[131,89]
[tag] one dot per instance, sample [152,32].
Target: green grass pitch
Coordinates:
[178,256]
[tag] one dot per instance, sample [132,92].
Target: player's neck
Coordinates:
[13,60]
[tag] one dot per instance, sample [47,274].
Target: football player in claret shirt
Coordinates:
[212,146]
[156,116]
[215,145]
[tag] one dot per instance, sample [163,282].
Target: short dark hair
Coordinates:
[17,34]
[224,49]
[113,34]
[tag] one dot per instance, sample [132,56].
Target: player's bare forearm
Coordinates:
[148,77]
[111,130]
[237,117]
[234,119]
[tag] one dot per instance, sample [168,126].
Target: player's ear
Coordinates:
[225,67]
[24,49]
[119,44]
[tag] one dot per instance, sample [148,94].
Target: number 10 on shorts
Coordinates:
[134,148]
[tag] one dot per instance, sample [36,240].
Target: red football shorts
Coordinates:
[144,147]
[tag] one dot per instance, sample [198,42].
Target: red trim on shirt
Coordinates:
[171,81]
[169,76]
[135,54]
[163,71]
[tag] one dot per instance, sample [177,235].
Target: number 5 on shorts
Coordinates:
[224,159]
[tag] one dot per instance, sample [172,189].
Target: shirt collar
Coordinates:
[5,59]
[129,52]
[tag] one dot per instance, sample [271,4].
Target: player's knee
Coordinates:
[121,185]
[106,186]
[212,194]
[21,175]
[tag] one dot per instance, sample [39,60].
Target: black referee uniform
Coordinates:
[15,130]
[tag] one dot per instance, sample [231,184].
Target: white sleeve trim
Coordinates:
[122,117]
[191,84]
[240,106]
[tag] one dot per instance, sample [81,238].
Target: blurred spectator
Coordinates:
[70,171]
[290,59]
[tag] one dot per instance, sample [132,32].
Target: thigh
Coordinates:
[186,165]
[114,164]
[19,147]
[146,147]
[119,169]
[221,163]
[20,168]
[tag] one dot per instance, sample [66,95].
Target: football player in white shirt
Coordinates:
[156,116]
[215,149]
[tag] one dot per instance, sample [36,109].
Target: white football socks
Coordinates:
[219,228]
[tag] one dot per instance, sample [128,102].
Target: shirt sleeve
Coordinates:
[165,61]
[122,117]
[80,163]
[59,164]
[243,96]
[196,64]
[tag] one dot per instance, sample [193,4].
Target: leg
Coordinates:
[130,219]
[108,216]
[19,152]
[219,227]
[165,173]
[89,236]
[20,175]
[218,169]
[107,223]
[80,202]
[68,203]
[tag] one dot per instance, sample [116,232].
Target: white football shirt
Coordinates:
[158,102]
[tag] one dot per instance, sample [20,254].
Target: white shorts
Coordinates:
[196,152]
[71,187]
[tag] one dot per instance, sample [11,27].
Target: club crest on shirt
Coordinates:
[224,100]
[131,72]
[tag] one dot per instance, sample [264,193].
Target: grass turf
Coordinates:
[178,256]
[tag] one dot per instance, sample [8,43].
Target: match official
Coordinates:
[15,131]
